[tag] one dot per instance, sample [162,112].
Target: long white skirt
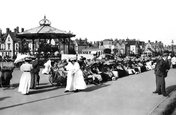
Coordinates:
[69,86]
[78,81]
[25,82]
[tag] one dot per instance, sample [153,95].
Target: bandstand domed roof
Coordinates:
[45,29]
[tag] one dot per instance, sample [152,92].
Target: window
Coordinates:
[8,46]
[8,38]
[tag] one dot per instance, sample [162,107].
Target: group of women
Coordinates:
[75,79]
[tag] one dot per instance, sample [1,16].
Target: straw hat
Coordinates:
[27,59]
[73,58]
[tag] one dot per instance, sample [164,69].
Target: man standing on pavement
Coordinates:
[35,73]
[161,70]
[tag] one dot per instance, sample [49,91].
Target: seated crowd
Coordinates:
[98,71]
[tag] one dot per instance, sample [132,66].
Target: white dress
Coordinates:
[47,68]
[25,80]
[173,60]
[78,82]
[69,69]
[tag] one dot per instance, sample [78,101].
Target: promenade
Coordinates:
[130,95]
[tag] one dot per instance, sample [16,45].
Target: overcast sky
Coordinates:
[96,19]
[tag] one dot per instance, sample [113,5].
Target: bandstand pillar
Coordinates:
[59,47]
[33,50]
[64,45]
[68,45]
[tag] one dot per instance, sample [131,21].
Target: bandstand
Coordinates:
[45,32]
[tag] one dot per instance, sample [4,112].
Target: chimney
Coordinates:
[22,29]
[0,32]
[7,30]
[17,29]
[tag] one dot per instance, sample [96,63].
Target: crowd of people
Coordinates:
[97,71]
[79,73]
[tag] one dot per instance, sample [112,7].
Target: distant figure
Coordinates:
[25,80]
[161,70]
[173,61]
[47,68]
[6,75]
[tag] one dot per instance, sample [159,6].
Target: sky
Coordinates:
[96,19]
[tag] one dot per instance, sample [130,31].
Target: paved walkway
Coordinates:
[131,95]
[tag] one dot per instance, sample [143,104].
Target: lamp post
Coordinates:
[172,43]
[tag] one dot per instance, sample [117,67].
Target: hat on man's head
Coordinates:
[27,59]
[165,54]
[33,58]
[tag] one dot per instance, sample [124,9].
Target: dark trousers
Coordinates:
[5,78]
[174,66]
[160,84]
[34,80]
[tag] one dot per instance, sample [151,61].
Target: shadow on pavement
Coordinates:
[43,89]
[10,87]
[15,85]
[170,89]
[43,83]
[92,88]
[25,103]
[2,98]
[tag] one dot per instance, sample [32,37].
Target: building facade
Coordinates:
[9,44]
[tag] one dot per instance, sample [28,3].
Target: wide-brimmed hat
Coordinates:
[165,54]
[27,59]
[73,58]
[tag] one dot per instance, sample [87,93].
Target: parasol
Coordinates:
[21,57]
[110,62]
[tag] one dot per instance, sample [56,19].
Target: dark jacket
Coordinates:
[162,67]
[36,68]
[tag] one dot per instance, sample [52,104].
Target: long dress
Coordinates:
[47,68]
[78,82]
[69,68]
[25,80]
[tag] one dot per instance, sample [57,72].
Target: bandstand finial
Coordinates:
[44,22]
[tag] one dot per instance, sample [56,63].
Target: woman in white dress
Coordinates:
[25,80]
[47,68]
[78,79]
[69,69]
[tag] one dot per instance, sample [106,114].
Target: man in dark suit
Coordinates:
[161,70]
[35,73]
